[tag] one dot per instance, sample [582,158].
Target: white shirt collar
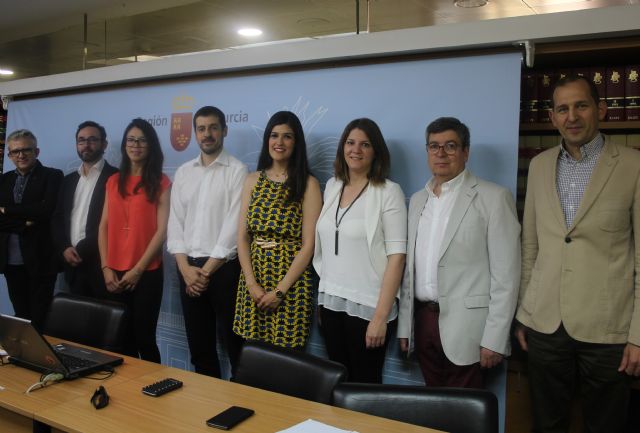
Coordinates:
[448,186]
[222,159]
[97,167]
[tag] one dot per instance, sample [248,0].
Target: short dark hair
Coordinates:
[152,171]
[381,164]
[207,111]
[298,170]
[442,124]
[92,124]
[572,78]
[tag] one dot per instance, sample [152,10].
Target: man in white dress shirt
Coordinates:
[205,202]
[78,210]
[460,286]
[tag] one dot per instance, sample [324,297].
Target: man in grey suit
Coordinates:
[460,285]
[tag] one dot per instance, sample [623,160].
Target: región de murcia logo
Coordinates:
[181,122]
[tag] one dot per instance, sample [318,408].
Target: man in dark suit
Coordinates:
[77,215]
[27,199]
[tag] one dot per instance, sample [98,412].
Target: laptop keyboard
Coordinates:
[74,363]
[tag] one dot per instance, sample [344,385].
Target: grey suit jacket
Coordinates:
[478,271]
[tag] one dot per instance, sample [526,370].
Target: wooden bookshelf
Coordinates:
[535,138]
[568,55]
[592,52]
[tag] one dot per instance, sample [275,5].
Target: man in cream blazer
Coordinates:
[460,285]
[579,295]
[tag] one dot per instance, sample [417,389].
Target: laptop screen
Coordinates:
[26,346]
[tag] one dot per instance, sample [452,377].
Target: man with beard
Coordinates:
[205,203]
[77,216]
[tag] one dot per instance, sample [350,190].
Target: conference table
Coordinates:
[65,406]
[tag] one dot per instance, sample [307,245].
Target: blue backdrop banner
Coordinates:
[402,97]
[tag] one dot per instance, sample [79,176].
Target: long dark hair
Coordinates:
[298,168]
[152,170]
[381,161]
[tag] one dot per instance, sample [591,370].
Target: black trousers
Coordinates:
[212,314]
[559,366]
[30,292]
[143,309]
[86,279]
[344,338]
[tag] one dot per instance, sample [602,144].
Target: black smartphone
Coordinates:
[228,418]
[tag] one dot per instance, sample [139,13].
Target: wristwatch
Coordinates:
[279,293]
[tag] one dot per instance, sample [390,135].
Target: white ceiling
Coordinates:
[42,37]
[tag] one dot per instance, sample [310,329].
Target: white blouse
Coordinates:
[374,228]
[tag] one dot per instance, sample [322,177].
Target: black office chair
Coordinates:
[288,371]
[454,410]
[93,322]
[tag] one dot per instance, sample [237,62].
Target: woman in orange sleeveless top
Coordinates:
[132,230]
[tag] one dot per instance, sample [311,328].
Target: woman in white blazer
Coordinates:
[361,241]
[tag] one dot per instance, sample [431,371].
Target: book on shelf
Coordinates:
[546,80]
[615,93]
[597,76]
[632,92]
[529,98]
[563,73]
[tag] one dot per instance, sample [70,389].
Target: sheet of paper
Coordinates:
[312,426]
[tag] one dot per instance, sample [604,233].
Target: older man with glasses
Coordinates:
[460,286]
[27,199]
[77,215]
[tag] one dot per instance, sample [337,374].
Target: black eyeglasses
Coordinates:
[25,151]
[88,140]
[450,147]
[136,142]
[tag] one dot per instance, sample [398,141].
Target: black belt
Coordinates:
[197,261]
[200,261]
[429,305]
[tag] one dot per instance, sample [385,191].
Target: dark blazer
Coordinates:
[87,248]
[38,203]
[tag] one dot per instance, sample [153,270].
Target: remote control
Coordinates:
[161,387]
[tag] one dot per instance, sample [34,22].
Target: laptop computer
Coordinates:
[28,348]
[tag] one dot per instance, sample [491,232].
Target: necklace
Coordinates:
[127,207]
[338,221]
[281,175]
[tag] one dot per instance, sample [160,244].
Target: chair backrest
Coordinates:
[288,371]
[93,322]
[454,410]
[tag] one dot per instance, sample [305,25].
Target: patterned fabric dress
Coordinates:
[275,227]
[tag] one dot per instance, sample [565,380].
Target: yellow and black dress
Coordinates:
[275,227]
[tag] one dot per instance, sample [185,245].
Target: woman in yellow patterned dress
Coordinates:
[281,202]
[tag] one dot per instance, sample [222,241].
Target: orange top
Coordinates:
[132,222]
